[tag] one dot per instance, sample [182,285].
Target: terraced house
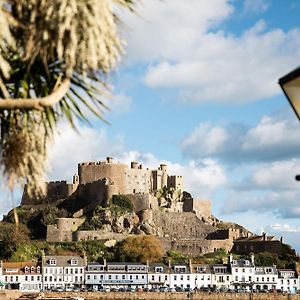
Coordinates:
[74,272]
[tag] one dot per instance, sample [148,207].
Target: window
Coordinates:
[38,269]
[26,278]
[175,277]
[89,277]
[17,278]
[52,262]
[74,262]
[32,278]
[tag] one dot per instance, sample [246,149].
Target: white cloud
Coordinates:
[285,228]
[282,204]
[120,104]
[70,148]
[256,6]
[273,176]
[205,139]
[167,29]
[203,62]
[273,138]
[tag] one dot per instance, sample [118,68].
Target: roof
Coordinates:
[205,268]
[63,261]
[242,263]
[261,270]
[152,267]
[125,264]
[18,268]
[256,238]
[226,269]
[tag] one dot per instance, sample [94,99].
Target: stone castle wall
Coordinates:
[63,229]
[56,190]
[180,225]
[93,171]
[195,247]
[201,207]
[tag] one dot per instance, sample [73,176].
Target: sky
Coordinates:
[197,89]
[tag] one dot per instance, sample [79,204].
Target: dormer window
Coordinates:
[38,269]
[158,269]
[32,269]
[26,269]
[52,262]
[74,262]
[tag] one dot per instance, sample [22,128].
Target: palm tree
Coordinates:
[55,56]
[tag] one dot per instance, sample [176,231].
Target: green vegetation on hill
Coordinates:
[122,201]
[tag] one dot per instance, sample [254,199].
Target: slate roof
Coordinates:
[64,261]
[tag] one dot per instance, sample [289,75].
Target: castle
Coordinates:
[160,207]
[99,181]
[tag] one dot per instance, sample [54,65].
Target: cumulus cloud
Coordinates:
[283,204]
[155,32]
[203,62]
[70,148]
[273,138]
[256,6]
[278,175]
[120,104]
[285,228]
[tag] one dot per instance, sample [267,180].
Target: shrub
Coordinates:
[122,201]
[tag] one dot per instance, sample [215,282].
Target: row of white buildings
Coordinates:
[67,272]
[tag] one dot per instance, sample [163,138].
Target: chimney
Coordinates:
[230,258]
[104,262]
[281,239]
[264,236]
[134,165]
[109,160]
[252,257]
[169,264]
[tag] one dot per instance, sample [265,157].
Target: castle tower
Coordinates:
[164,175]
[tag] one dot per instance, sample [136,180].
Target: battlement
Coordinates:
[58,182]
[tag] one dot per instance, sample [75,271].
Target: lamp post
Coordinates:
[290,84]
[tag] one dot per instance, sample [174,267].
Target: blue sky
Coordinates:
[198,89]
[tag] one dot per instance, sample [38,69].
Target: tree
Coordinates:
[140,248]
[54,60]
